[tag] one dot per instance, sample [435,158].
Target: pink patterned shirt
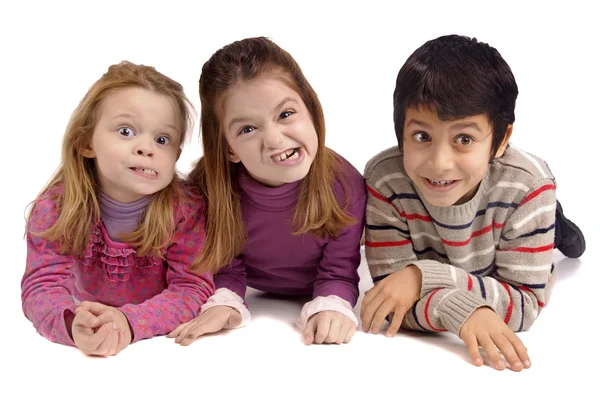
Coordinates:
[155,295]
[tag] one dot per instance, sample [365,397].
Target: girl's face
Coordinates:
[269,129]
[135,144]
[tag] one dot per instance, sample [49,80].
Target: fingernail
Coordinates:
[527,363]
[500,364]
[94,321]
[517,365]
[478,361]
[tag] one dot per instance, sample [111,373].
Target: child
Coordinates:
[459,224]
[285,213]
[115,228]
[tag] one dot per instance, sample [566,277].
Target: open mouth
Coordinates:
[290,154]
[147,172]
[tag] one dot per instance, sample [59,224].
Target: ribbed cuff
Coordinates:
[435,275]
[456,308]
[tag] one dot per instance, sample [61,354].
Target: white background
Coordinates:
[51,52]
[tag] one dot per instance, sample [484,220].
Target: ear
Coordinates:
[233,157]
[87,152]
[178,154]
[504,142]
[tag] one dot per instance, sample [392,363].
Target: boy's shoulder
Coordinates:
[520,166]
[385,162]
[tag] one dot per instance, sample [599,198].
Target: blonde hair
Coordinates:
[318,211]
[76,179]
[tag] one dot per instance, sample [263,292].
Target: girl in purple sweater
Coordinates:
[111,237]
[285,214]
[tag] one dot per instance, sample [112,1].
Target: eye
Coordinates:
[126,132]
[463,140]
[162,140]
[286,114]
[246,130]
[421,136]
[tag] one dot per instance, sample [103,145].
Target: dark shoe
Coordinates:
[568,237]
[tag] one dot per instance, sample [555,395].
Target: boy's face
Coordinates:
[447,160]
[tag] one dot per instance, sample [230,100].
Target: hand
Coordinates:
[397,293]
[486,329]
[210,321]
[107,316]
[329,327]
[91,337]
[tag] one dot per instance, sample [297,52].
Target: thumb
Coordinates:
[309,331]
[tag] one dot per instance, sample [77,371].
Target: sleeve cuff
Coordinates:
[456,308]
[224,296]
[329,303]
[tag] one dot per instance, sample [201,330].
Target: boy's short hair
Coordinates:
[457,76]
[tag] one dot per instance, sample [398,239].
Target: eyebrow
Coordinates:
[245,118]
[461,125]
[129,115]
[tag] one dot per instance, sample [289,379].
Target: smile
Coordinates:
[440,185]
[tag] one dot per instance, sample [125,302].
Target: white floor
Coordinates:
[267,358]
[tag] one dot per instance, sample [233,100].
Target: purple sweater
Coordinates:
[276,261]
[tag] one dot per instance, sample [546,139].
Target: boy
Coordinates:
[460,226]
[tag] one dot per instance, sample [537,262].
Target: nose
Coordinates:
[143,147]
[441,158]
[272,136]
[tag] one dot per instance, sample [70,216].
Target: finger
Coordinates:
[323,326]
[122,342]
[506,348]
[382,312]
[334,330]
[396,322]
[473,348]
[309,331]
[519,347]
[83,306]
[106,317]
[492,351]
[113,337]
[369,294]
[90,344]
[85,319]
[95,308]
[344,329]
[350,334]
[204,326]
[370,310]
[177,331]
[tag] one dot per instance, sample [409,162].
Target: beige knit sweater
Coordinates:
[495,250]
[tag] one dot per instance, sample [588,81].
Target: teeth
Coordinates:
[440,182]
[287,155]
[145,171]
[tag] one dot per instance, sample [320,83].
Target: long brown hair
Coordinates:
[75,184]
[318,211]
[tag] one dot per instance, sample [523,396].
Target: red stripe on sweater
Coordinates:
[531,249]
[415,216]
[427,312]
[379,196]
[510,304]
[525,288]
[470,283]
[473,235]
[387,244]
[537,192]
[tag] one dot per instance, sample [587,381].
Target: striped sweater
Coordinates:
[495,250]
